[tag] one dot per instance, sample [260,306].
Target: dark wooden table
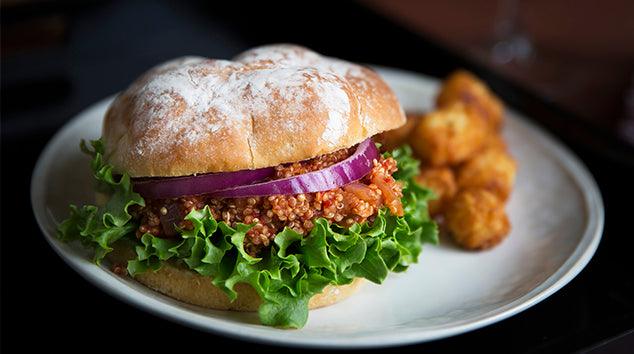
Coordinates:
[580,56]
[58,58]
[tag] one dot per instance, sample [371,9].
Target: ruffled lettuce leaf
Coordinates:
[291,271]
[100,227]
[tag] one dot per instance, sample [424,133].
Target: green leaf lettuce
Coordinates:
[99,227]
[289,272]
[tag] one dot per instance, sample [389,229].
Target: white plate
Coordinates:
[556,212]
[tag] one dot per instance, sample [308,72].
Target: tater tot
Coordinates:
[394,138]
[492,169]
[462,86]
[494,140]
[448,136]
[476,219]
[441,180]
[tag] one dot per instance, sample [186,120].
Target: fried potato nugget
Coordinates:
[394,138]
[448,135]
[462,86]
[441,180]
[492,169]
[476,219]
[494,140]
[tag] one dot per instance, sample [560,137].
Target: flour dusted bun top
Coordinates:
[270,105]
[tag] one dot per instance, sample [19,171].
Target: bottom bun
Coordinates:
[185,285]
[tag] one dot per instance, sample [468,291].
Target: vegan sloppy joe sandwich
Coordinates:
[254,184]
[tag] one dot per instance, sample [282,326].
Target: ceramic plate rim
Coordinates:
[577,260]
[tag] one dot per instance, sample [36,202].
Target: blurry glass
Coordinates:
[511,42]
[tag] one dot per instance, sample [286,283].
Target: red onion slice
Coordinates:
[159,188]
[349,170]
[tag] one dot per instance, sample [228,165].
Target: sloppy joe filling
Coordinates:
[355,202]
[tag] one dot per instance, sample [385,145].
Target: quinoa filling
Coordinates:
[355,202]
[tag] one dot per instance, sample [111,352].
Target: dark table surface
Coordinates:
[86,51]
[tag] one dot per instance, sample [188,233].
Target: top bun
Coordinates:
[270,105]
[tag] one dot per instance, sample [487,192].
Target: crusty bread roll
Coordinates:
[270,105]
[185,285]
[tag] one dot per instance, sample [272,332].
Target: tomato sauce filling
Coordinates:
[355,202]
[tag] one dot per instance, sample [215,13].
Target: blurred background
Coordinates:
[568,65]
[579,57]
[578,54]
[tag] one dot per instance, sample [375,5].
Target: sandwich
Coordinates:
[254,184]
